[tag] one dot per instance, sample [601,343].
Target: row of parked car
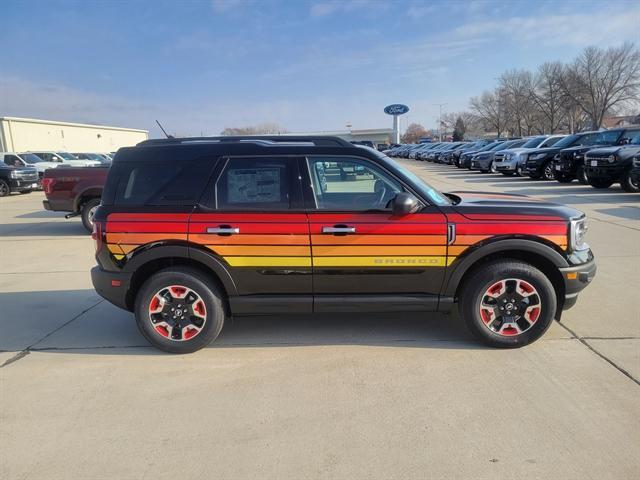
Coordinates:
[597,158]
[23,172]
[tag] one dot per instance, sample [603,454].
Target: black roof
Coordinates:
[279,140]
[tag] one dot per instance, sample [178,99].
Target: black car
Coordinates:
[540,162]
[569,163]
[465,158]
[17,179]
[191,231]
[606,166]
[469,148]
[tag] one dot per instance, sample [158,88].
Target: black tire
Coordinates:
[564,178]
[548,173]
[475,287]
[628,184]
[508,174]
[581,175]
[86,213]
[600,182]
[4,188]
[199,283]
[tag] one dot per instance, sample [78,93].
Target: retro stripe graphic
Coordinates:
[293,240]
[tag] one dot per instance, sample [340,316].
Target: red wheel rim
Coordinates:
[510,307]
[177,313]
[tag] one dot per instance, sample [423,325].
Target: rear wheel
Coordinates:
[179,310]
[508,303]
[628,183]
[548,173]
[87,211]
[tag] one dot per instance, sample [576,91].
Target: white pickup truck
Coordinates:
[65,158]
[26,160]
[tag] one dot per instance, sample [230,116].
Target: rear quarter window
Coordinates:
[158,183]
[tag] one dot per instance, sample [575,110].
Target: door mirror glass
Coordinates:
[404,203]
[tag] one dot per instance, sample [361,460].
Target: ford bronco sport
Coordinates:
[191,231]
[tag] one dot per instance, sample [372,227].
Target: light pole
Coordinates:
[440,105]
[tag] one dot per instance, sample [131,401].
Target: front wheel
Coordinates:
[179,310]
[507,304]
[628,184]
[581,174]
[548,173]
[4,188]
[600,182]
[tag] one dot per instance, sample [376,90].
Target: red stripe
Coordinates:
[518,228]
[146,227]
[148,217]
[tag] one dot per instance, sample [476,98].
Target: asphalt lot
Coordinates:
[386,396]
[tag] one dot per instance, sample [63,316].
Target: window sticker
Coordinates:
[247,185]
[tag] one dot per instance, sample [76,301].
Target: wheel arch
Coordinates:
[86,195]
[146,263]
[538,254]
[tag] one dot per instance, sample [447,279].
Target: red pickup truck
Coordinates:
[76,190]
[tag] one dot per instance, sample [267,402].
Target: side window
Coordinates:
[161,183]
[351,184]
[12,160]
[267,183]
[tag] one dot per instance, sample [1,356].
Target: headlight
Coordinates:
[578,232]
[577,155]
[611,159]
[14,174]
[538,156]
[636,162]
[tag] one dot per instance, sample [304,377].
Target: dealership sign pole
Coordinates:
[396,110]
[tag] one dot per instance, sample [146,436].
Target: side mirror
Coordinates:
[404,204]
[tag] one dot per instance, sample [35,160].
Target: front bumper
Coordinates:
[505,167]
[612,172]
[576,278]
[480,164]
[112,286]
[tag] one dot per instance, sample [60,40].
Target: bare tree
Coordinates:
[491,110]
[549,97]
[515,87]
[413,133]
[600,80]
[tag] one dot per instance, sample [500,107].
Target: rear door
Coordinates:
[256,224]
[362,254]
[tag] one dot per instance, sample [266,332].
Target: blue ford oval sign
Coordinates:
[396,109]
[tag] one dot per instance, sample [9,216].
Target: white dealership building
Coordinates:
[25,134]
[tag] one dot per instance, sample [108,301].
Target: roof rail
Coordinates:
[318,140]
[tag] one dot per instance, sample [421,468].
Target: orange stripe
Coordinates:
[374,250]
[379,239]
[261,250]
[213,239]
[455,250]
[560,240]
[142,238]
[469,239]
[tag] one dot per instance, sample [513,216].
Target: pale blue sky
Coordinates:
[200,66]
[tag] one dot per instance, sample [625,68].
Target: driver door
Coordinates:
[362,254]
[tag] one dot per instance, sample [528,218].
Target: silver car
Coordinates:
[512,160]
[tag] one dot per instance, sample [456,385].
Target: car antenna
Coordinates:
[164,131]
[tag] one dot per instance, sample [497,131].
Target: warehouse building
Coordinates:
[25,134]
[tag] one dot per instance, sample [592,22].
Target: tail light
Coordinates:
[47,185]
[98,235]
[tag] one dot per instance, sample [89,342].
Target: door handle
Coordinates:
[338,229]
[223,230]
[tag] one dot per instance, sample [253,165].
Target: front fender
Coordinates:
[460,266]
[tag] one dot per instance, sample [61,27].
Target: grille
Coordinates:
[27,175]
[601,159]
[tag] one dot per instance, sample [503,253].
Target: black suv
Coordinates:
[540,162]
[606,166]
[569,163]
[191,231]
[17,179]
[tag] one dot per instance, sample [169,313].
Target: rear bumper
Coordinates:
[112,286]
[576,278]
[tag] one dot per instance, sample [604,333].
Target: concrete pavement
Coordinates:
[376,396]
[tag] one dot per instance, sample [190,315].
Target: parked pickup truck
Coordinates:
[76,190]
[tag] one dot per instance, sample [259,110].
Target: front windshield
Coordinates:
[533,142]
[567,141]
[66,156]
[31,158]
[424,188]
[550,142]
[489,146]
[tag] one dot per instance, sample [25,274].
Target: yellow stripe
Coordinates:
[269,261]
[394,262]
